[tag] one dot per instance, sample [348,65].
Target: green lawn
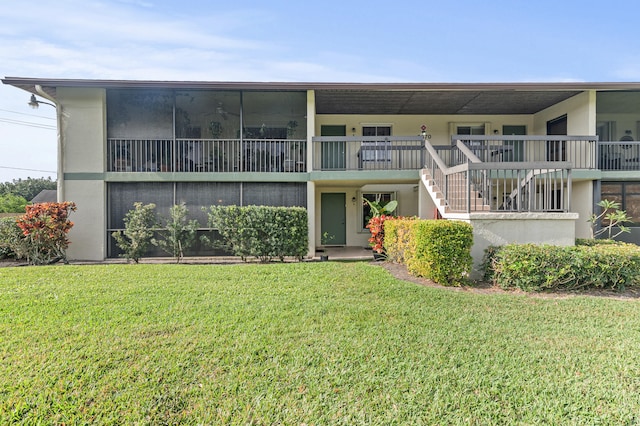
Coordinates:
[304,343]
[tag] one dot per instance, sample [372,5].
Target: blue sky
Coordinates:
[352,41]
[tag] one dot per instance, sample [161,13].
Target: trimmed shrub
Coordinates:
[533,267]
[397,243]
[263,232]
[597,242]
[440,250]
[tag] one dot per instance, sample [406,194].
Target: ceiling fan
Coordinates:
[223,112]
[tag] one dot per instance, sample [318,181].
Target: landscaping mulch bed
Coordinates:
[400,272]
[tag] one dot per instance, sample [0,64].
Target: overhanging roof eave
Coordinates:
[239,85]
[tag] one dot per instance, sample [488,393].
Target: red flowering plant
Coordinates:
[379,213]
[376,227]
[45,227]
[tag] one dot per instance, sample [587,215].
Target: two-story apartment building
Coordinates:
[521,161]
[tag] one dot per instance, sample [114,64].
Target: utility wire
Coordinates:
[28,170]
[30,115]
[28,124]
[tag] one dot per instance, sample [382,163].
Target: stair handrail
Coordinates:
[440,171]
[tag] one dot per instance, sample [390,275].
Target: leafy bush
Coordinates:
[597,242]
[12,240]
[178,234]
[10,203]
[136,237]
[440,250]
[262,232]
[45,227]
[533,267]
[397,240]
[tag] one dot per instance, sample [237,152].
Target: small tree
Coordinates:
[178,233]
[45,227]
[10,203]
[138,231]
[613,215]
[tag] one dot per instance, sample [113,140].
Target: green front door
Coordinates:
[333,218]
[333,153]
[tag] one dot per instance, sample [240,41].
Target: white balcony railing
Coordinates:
[206,155]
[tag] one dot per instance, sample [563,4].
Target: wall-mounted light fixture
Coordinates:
[34,103]
[353,200]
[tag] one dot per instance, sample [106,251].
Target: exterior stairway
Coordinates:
[457,199]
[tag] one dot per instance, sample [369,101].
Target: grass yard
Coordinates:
[305,343]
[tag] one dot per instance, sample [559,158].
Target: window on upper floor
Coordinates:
[376,150]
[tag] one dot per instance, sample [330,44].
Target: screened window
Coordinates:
[140,114]
[275,194]
[625,193]
[196,196]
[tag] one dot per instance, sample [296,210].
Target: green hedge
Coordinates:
[533,267]
[262,232]
[439,250]
[397,239]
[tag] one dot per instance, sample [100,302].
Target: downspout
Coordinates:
[60,165]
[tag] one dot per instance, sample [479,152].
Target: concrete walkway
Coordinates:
[345,253]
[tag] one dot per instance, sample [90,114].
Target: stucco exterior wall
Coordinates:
[498,229]
[438,126]
[582,203]
[89,222]
[84,129]
[580,111]
[83,164]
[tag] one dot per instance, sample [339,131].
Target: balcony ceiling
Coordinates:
[437,102]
